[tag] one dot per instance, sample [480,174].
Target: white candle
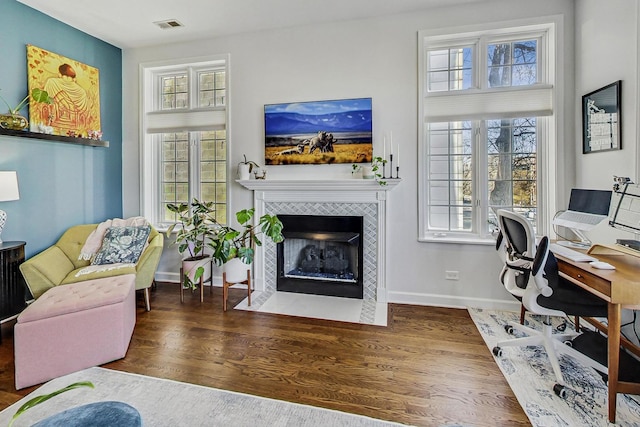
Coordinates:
[398,155]
[391,142]
[384,146]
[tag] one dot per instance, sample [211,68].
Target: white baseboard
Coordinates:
[387,296]
[452,301]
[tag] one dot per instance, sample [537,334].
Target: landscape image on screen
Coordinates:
[318,132]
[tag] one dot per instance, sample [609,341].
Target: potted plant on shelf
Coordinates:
[14,120]
[196,224]
[371,171]
[245,167]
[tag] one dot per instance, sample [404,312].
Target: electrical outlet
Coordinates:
[451,275]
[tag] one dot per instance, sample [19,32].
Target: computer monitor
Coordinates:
[587,208]
[594,202]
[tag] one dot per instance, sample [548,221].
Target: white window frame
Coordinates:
[155,121]
[546,30]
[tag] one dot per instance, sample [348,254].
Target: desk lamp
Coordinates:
[8,192]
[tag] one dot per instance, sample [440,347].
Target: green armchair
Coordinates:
[59,264]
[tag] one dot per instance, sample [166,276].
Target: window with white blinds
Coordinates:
[486,99]
[185,137]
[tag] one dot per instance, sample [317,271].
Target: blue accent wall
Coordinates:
[60,184]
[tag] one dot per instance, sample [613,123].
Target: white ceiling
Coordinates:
[129,23]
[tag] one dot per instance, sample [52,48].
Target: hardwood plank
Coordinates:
[429,367]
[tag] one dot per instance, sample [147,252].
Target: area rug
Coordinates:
[529,373]
[171,403]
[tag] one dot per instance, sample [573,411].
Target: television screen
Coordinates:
[318,132]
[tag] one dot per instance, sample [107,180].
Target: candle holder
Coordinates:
[397,172]
[390,166]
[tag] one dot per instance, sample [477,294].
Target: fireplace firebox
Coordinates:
[321,255]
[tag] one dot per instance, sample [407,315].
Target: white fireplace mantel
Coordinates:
[318,184]
[364,197]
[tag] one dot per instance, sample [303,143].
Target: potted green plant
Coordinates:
[196,224]
[14,120]
[230,243]
[245,167]
[197,229]
[371,171]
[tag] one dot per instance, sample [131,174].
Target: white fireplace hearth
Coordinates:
[350,197]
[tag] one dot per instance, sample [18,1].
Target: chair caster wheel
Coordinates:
[560,391]
[497,351]
[568,343]
[508,329]
[562,327]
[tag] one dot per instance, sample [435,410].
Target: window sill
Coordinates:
[457,239]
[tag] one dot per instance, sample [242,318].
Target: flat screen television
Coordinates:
[318,132]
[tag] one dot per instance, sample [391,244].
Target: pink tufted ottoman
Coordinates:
[73,327]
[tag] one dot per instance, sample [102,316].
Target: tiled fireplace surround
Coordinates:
[354,197]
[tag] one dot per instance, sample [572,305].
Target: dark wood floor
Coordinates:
[429,367]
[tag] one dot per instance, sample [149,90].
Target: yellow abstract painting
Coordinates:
[74,89]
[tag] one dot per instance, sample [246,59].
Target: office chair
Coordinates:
[531,275]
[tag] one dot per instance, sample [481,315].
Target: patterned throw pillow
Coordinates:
[122,244]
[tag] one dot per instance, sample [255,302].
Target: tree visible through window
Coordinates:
[473,163]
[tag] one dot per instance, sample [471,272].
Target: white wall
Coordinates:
[603,57]
[607,50]
[367,58]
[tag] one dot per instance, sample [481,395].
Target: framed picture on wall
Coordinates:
[601,123]
[74,88]
[318,132]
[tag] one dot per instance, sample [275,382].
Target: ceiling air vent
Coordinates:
[169,23]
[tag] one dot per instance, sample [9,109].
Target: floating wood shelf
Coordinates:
[56,138]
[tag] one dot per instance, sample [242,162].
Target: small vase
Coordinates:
[243,171]
[13,121]
[367,172]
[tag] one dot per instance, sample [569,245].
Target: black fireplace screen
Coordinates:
[321,255]
[324,256]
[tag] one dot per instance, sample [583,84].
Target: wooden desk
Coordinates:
[619,287]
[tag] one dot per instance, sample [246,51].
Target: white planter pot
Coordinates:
[367,172]
[236,270]
[243,171]
[190,266]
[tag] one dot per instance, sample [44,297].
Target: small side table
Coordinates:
[12,285]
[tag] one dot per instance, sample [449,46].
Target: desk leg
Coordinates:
[614,357]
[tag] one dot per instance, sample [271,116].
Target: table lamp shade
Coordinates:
[8,192]
[9,186]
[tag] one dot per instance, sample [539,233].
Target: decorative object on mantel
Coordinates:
[245,167]
[335,131]
[384,155]
[14,120]
[74,88]
[371,171]
[259,175]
